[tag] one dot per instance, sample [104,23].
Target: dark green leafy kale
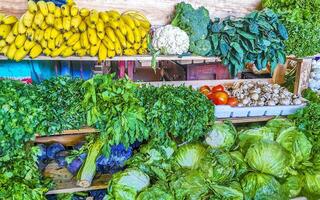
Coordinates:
[257,38]
[60,99]
[302,20]
[195,22]
[181,112]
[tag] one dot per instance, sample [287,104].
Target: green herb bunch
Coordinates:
[113,107]
[257,38]
[302,19]
[181,112]
[60,99]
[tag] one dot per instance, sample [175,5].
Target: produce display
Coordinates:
[219,95]
[259,163]
[302,21]
[314,81]
[67,30]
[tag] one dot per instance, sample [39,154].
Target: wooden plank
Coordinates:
[13,7]
[66,183]
[247,119]
[122,58]
[302,75]
[159,12]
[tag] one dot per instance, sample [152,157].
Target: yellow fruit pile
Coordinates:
[67,31]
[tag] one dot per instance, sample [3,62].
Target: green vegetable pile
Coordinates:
[302,21]
[275,161]
[59,100]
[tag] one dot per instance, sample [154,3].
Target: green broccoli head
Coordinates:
[201,47]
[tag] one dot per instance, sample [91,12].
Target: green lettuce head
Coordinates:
[190,155]
[312,183]
[158,191]
[222,136]
[251,136]
[278,124]
[268,157]
[293,184]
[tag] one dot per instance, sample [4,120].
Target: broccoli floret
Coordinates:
[201,47]
[193,21]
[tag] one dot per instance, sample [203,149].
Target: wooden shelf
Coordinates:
[65,182]
[123,58]
[242,120]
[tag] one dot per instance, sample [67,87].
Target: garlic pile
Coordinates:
[314,82]
[261,93]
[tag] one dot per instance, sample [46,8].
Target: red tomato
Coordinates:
[205,92]
[210,96]
[232,101]
[217,88]
[205,87]
[220,98]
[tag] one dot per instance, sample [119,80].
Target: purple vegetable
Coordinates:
[43,152]
[78,146]
[136,145]
[61,161]
[53,149]
[75,165]
[97,194]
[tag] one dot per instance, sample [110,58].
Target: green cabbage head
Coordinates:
[222,136]
[190,155]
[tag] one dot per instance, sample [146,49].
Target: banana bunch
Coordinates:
[70,31]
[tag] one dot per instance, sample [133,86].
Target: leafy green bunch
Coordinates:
[256,38]
[113,107]
[195,22]
[181,112]
[60,98]
[302,21]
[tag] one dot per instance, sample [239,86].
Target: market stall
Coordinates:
[196,137]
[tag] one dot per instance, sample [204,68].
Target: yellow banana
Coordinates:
[28,19]
[145,24]
[137,35]
[2,16]
[38,35]
[28,45]
[129,45]
[84,12]
[84,40]
[82,26]
[73,39]
[92,36]
[32,7]
[143,32]
[20,54]
[4,50]
[10,38]
[108,43]
[114,24]
[54,33]
[59,40]
[20,40]
[15,28]
[94,49]
[76,46]
[50,19]
[58,51]
[11,51]
[67,35]
[89,24]
[47,33]
[114,14]
[43,8]
[21,27]
[58,24]
[51,44]
[136,46]
[38,19]
[122,27]
[4,31]
[43,26]
[81,52]
[2,43]
[121,38]
[104,16]
[111,53]
[35,51]
[70,2]
[100,26]
[76,21]
[102,56]
[44,43]
[9,20]
[142,51]
[51,7]
[67,52]
[129,21]
[136,22]
[57,12]
[47,52]
[110,33]
[130,52]
[65,10]
[94,16]
[144,43]
[118,47]
[74,10]
[100,35]
[130,35]
[66,23]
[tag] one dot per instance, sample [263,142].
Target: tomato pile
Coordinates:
[218,95]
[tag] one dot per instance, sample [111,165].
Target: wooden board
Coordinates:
[302,75]
[243,120]
[157,11]
[65,182]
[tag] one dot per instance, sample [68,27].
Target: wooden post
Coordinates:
[122,68]
[130,66]
[302,75]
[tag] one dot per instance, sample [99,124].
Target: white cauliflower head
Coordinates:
[170,40]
